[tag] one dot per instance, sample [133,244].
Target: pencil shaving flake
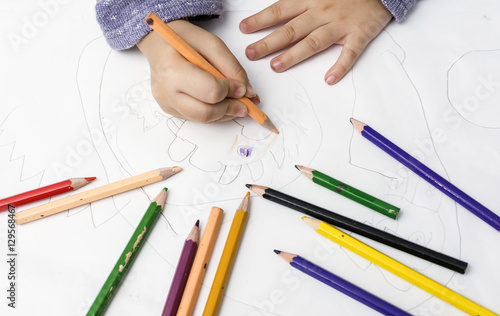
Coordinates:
[139,238]
[127,258]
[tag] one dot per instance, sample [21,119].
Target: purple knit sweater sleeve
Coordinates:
[399,8]
[122,21]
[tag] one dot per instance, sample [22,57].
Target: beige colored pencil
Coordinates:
[200,263]
[92,195]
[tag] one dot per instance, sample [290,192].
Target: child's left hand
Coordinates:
[314,25]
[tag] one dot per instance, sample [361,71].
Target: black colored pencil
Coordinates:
[360,228]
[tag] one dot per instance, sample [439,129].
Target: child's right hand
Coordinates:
[187,92]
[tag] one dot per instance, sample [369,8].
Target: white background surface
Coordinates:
[72,108]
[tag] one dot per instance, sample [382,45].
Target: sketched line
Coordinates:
[448,87]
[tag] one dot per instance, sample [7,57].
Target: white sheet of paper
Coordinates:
[74,108]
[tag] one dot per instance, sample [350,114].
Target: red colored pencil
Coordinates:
[44,192]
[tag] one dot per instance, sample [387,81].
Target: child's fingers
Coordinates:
[201,85]
[215,51]
[348,56]
[197,111]
[276,13]
[288,34]
[313,43]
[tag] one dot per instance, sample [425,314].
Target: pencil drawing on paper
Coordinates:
[428,217]
[126,125]
[240,148]
[476,95]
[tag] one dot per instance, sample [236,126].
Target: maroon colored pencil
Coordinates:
[44,192]
[182,272]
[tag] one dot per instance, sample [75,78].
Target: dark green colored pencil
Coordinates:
[350,192]
[128,255]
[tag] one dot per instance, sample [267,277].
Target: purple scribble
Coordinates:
[245,151]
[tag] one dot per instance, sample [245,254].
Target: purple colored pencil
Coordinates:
[182,272]
[340,284]
[427,174]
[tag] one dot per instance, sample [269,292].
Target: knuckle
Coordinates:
[289,33]
[313,42]
[276,11]
[240,73]
[203,116]
[351,53]
[215,94]
[262,46]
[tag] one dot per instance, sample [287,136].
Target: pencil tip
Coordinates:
[357,124]
[244,203]
[297,167]
[277,251]
[248,186]
[197,224]
[269,125]
[90,179]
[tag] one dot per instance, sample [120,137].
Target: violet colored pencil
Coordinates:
[340,284]
[427,174]
[182,272]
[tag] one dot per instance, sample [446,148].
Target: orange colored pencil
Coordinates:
[194,57]
[200,263]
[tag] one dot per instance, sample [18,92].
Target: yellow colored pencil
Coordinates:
[94,194]
[200,263]
[227,258]
[397,268]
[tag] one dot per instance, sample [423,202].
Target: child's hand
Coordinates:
[314,25]
[184,90]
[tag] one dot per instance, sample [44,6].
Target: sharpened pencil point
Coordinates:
[297,167]
[357,124]
[90,179]
[197,224]
[275,130]
[248,186]
[277,251]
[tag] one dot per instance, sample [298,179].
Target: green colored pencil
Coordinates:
[350,192]
[128,255]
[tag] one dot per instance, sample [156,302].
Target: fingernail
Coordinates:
[256,100]
[330,79]
[250,90]
[276,64]
[243,27]
[250,53]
